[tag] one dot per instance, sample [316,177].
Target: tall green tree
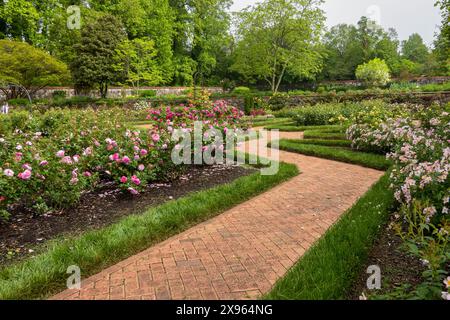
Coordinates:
[279,36]
[348,46]
[136,59]
[414,49]
[342,52]
[25,66]
[95,54]
[201,36]
[442,43]
[19,20]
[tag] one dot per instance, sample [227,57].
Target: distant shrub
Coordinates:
[374,73]
[241,90]
[19,102]
[147,93]
[321,89]
[59,94]
[278,101]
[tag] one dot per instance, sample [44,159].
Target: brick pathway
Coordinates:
[241,253]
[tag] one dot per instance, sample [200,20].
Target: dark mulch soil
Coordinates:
[397,267]
[24,234]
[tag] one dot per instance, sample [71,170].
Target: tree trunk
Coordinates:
[280,78]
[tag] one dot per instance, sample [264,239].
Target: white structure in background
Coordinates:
[5,107]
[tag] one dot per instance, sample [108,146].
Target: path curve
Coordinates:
[241,253]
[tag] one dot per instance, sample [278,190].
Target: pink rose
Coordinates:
[43,163]
[87,174]
[155,137]
[141,167]
[66,160]
[143,152]
[123,179]
[135,180]
[60,153]
[87,151]
[114,157]
[26,175]
[126,160]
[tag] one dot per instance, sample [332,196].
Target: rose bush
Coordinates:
[418,143]
[48,160]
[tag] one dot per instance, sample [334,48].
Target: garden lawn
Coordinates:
[267,122]
[292,127]
[331,134]
[370,160]
[45,274]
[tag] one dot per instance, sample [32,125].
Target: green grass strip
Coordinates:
[329,143]
[268,122]
[370,160]
[329,267]
[325,134]
[291,127]
[93,251]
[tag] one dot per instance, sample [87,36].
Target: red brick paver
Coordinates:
[241,253]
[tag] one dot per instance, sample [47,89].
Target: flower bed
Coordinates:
[48,160]
[418,145]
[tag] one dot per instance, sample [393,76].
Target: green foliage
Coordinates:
[348,46]
[278,101]
[279,37]
[375,73]
[414,49]
[147,93]
[59,94]
[19,102]
[94,63]
[22,64]
[442,43]
[241,90]
[136,60]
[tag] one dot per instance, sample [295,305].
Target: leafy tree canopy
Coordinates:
[21,64]
[277,36]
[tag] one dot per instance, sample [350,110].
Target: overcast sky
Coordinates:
[406,16]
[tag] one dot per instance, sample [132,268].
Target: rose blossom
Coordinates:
[123,179]
[155,137]
[135,180]
[26,175]
[60,153]
[141,167]
[8,172]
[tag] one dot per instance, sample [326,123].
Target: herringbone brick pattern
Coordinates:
[241,253]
